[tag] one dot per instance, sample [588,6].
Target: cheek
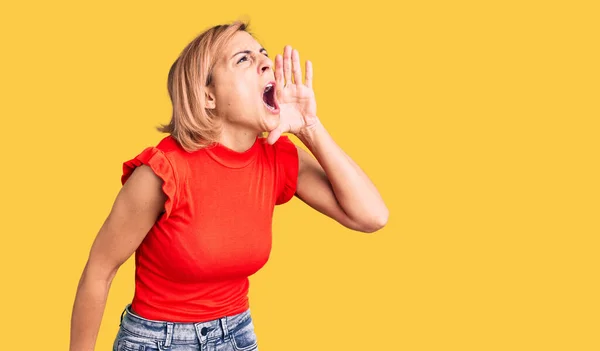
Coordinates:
[239,93]
[236,92]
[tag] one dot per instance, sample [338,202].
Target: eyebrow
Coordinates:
[248,52]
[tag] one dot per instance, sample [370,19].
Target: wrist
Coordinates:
[310,133]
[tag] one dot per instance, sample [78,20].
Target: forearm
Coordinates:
[354,191]
[88,309]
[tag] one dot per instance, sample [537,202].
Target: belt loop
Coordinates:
[224,327]
[169,334]
[122,314]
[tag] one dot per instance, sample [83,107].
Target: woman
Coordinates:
[197,208]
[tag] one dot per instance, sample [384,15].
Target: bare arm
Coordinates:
[335,185]
[135,210]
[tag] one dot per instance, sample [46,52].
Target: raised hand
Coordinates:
[298,107]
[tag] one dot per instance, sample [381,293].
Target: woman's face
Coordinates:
[243,86]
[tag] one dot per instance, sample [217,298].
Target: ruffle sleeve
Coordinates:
[162,167]
[287,160]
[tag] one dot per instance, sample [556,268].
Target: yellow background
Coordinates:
[477,120]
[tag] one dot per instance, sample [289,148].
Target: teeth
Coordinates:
[268,87]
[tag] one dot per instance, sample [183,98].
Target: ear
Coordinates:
[210,101]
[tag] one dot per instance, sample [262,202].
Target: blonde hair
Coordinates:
[192,125]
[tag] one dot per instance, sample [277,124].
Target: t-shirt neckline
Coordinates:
[231,158]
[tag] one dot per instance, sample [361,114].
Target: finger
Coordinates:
[296,67]
[274,135]
[279,72]
[309,74]
[287,64]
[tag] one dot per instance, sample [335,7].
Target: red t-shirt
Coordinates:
[194,263]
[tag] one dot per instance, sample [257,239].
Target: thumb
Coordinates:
[275,134]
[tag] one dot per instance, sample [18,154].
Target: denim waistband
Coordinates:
[178,331]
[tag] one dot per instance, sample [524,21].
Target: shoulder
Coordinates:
[285,157]
[177,157]
[170,148]
[155,165]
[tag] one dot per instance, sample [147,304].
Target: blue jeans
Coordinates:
[231,333]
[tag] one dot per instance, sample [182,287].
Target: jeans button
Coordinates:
[204,331]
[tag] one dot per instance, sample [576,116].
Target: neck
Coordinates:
[237,140]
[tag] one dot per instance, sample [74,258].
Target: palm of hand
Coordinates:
[296,100]
[298,107]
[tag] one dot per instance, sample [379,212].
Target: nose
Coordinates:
[265,65]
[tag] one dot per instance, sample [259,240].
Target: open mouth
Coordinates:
[269,97]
